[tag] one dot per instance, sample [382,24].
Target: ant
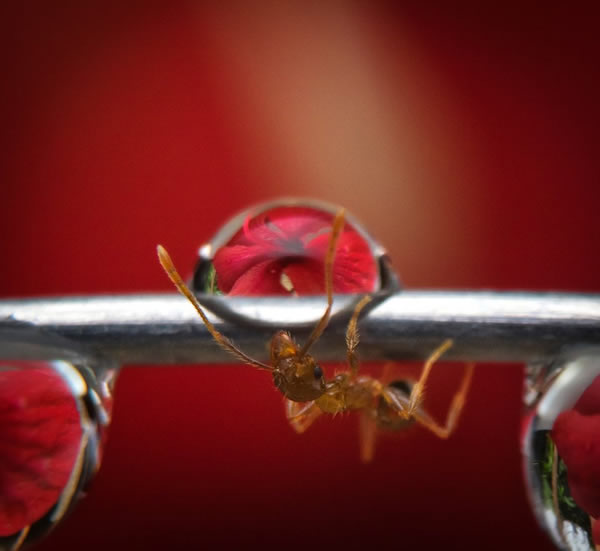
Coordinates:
[392,405]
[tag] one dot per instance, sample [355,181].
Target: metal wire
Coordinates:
[164,329]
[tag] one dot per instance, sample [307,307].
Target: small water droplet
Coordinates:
[561,450]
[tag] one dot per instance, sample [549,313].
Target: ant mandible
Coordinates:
[383,403]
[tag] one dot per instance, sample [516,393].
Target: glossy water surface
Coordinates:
[561,450]
[53,416]
[281,250]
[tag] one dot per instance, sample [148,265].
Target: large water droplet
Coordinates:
[279,248]
[53,419]
[561,450]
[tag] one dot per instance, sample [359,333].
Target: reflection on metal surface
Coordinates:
[486,326]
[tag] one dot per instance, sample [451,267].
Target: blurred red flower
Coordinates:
[40,435]
[283,250]
[576,433]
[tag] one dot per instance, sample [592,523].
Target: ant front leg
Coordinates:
[367,428]
[352,336]
[336,230]
[301,415]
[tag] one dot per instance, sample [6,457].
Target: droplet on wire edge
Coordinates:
[53,420]
[280,249]
[561,451]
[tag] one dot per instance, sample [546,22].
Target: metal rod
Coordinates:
[164,329]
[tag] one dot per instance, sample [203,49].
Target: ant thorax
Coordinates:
[348,392]
[298,377]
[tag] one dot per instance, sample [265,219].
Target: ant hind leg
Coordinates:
[456,407]
[418,390]
[367,432]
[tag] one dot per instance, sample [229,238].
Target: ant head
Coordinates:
[297,376]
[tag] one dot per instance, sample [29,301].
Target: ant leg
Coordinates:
[19,541]
[352,336]
[336,229]
[222,341]
[367,428]
[418,390]
[367,433]
[458,401]
[301,415]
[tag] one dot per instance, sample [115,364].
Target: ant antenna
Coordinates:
[336,228]
[222,341]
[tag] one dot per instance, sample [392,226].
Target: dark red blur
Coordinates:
[465,139]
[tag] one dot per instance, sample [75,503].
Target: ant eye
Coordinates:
[318,372]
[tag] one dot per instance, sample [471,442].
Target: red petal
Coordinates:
[299,238]
[577,439]
[288,224]
[589,402]
[307,276]
[354,268]
[262,279]
[596,531]
[233,261]
[40,435]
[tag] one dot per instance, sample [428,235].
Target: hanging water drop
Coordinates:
[53,416]
[561,450]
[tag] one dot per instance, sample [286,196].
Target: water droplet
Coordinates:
[53,419]
[561,449]
[279,248]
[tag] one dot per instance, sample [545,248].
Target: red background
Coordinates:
[465,138]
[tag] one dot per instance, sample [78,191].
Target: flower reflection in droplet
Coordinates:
[576,433]
[561,451]
[282,251]
[49,444]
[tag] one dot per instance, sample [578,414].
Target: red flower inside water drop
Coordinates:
[282,251]
[576,433]
[596,532]
[40,436]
